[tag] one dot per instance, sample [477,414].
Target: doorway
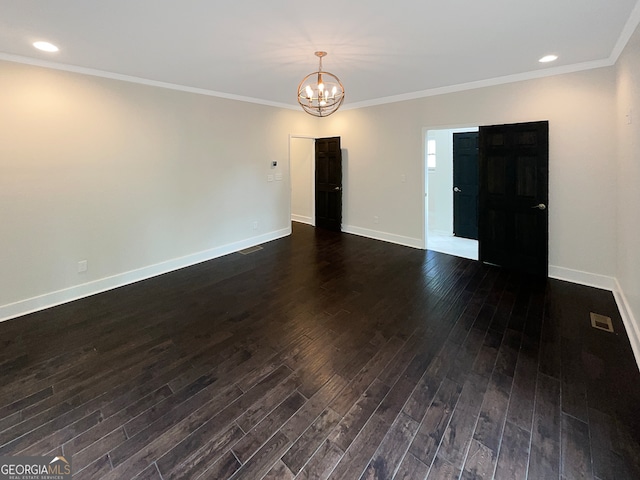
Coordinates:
[316,181]
[439,195]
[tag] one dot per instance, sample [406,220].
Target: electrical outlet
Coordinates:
[403,178]
[278,177]
[255,225]
[376,219]
[82,266]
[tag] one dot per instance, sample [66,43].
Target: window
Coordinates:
[431,154]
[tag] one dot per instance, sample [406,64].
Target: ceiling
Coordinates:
[262,49]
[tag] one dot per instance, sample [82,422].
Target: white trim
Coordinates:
[632,23]
[442,233]
[311,220]
[143,81]
[384,236]
[301,219]
[52,299]
[490,82]
[582,278]
[630,323]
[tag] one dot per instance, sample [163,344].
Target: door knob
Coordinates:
[337,189]
[540,206]
[456,189]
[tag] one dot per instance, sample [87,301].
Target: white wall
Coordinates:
[440,184]
[628,232]
[301,156]
[385,142]
[134,179]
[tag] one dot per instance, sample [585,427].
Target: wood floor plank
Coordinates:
[304,447]
[514,452]
[300,421]
[480,462]
[435,422]
[366,376]
[601,444]
[574,388]
[411,469]
[441,469]
[493,412]
[358,415]
[458,433]
[114,422]
[149,473]
[198,434]
[211,456]
[426,389]
[224,467]
[544,458]
[269,454]
[486,359]
[576,450]
[97,469]
[322,463]
[97,449]
[387,459]
[279,472]
[524,387]
[254,439]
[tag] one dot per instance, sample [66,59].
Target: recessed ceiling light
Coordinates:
[45,46]
[548,58]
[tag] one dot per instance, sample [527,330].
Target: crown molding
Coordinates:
[142,81]
[490,82]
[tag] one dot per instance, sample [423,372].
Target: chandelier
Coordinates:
[320,93]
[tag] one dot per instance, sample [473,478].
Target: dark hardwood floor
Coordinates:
[326,355]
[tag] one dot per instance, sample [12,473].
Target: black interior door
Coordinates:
[513,196]
[328,183]
[465,185]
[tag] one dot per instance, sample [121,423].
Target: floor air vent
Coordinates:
[249,250]
[601,322]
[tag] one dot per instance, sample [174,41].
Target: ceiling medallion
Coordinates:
[320,93]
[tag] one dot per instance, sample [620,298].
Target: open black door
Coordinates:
[328,183]
[513,197]
[465,185]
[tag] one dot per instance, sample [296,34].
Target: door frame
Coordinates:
[312,186]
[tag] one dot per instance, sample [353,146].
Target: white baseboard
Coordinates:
[387,237]
[301,219]
[52,299]
[441,233]
[630,322]
[582,278]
